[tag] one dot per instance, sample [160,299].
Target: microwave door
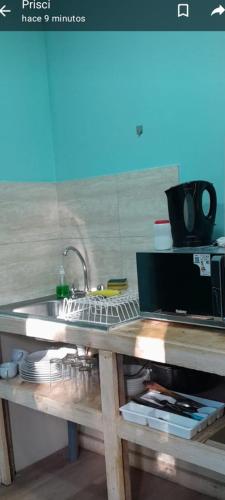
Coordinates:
[218,283]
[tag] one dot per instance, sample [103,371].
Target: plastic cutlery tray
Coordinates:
[170,422]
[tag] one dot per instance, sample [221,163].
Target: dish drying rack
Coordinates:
[98,310]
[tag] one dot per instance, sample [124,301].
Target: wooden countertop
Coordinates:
[181,345]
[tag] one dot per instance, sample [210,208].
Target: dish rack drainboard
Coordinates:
[100,310]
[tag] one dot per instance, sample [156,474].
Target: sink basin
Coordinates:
[49,308]
[87,315]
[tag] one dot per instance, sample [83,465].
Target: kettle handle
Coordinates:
[213,199]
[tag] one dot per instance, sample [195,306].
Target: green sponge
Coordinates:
[117,284]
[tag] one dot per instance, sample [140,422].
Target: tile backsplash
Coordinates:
[107,218]
[28,212]
[29,240]
[110,218]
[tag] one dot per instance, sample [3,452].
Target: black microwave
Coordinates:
[185,285]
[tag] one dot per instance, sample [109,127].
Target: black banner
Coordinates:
[112,15]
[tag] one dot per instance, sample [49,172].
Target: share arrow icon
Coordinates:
[4,11]
[219,10]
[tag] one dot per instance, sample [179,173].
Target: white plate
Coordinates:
[46,369]
[40,381]
[40,356]
[38,370]
[47,354]
[39,377]
[46,377]
[40,374]
[36,365]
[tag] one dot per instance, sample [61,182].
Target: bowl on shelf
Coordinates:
[135,376]
[8,370]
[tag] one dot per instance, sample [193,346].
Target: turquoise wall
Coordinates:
[104,84]
[70,111]
[25,122]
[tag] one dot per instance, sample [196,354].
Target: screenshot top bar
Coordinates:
[112,15]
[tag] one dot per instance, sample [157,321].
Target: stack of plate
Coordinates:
[37,369]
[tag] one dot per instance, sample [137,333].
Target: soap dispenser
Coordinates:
[62,289]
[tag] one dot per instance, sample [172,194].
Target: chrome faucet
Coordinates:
[86,286]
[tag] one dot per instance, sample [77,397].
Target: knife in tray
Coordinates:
[184,402]
[164,405]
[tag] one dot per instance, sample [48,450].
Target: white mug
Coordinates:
[8,370]
[18,355]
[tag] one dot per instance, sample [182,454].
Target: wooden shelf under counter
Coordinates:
[180,345]
[53,401]
[195,450]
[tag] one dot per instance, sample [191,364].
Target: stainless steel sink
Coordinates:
[48,309]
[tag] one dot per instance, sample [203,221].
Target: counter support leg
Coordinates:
[73,445]
[122,401]
[114,452]
[5,472]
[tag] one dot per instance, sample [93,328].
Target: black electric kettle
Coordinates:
[190,226]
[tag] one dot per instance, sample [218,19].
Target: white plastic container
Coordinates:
[162,235]
[160,420]
[171,423]
[136,413]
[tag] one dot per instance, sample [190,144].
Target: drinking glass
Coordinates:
[66,374]
[55,364]
[84,359]
[86,382]
[76,386]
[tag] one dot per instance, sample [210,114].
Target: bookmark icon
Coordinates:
[183,10]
